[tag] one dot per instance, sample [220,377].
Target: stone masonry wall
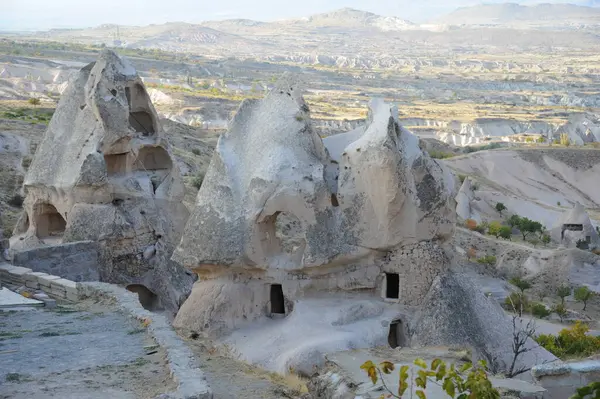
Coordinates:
[417,265]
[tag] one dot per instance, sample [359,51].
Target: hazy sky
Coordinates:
[46,14]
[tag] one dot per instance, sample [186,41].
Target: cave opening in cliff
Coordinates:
[147,298]
[396,335]
[277,299]
[140,117]
[116,163]
[48,221]
[153,158]
[392,285]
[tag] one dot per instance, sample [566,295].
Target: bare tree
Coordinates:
[521,335]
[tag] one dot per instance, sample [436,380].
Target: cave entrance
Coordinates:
[277,299]
[396,335]
[147,298]
[48,222]
[140,115]
[116,163]
[392,285]
[153,158]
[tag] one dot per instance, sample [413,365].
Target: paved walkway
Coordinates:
[77,353]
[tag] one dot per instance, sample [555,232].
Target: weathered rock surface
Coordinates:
[281,210]
[464,197]
[104,173]
[575,225]
[456,312]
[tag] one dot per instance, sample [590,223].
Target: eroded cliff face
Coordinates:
[104,173]
[280,206]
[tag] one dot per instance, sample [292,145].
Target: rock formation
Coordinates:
[575,225]
[282,213]
[103,173]
[456,313]
[464,197]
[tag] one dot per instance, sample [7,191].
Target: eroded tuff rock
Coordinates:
[456,313]
[282,213]
[575,226]
[465,195]
[104,173]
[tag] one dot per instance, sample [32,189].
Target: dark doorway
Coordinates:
[277,301]
[396,336]
[148,299]
[392,289]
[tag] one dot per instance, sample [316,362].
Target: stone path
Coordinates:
[81,352]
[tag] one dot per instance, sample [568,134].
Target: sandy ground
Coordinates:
[82,352]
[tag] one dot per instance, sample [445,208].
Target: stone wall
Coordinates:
[561,380]
[77,261]
[417,266]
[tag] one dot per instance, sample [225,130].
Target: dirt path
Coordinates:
[81,352]
[232,379]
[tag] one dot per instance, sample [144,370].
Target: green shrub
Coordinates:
[583,294]
[487,260]
[197,180]
[517,302]
[540,310]
[196,151]
[26,162]
[440,154]
[520,284]
[505,232]
[563,292]
[500,207]
[571,342]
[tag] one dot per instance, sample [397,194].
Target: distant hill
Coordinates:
[515,14]
[352,18]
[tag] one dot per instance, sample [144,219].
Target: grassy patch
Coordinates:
[140,361]
[50,334]
[9,335]
[16,377]
[136,331]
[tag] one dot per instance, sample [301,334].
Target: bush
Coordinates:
[16,201]
[506,232]
[26,162]
[196,151]
[500,207]
[34,101]
[546,239]
[471,224]
[517,302]
[487,260]
[563,292]
[522,285]
[197,180]
[583,294]
[571,342]
[540,310]
[440,154]
[561,311]
[494,228]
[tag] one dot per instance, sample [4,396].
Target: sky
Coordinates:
[47,14]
